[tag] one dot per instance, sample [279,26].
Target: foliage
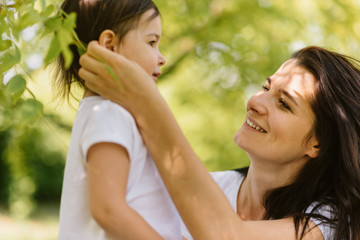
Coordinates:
[218,53]
[30,169]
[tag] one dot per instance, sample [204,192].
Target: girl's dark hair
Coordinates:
[93,17]
[331,180]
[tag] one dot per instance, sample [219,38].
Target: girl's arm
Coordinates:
[108,169]
[200,202]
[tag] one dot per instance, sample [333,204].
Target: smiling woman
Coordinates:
[302,134]
[272,113]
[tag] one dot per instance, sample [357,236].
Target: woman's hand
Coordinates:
[116,78]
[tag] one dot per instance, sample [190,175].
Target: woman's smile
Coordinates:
[254,126]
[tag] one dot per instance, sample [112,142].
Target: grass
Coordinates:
[41,225]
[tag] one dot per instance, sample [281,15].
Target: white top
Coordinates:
[230,181]
[100,120]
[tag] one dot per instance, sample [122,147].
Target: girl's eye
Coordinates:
[266,88]
[283,104]
[152,43]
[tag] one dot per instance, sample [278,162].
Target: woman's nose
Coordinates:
[258,103]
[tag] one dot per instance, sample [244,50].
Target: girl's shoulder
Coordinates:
[98,106]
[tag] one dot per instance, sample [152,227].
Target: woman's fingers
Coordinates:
[92,65]
[112,75]
[103,54]
[89,77]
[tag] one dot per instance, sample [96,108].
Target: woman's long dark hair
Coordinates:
[93,17]
[332,180]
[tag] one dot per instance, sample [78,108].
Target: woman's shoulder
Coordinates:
[229,182]
[229,179]
[326,211]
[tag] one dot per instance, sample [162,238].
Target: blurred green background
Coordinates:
[218,52]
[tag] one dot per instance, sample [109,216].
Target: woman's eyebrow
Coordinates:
[288,95]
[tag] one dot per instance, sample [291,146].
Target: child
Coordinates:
[111,188]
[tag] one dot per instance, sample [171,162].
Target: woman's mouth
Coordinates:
[254,126]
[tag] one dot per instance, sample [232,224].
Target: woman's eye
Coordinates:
[283,104]
[266,88]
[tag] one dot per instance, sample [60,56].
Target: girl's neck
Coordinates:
[89,93]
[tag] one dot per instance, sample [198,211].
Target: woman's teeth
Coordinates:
[251,124]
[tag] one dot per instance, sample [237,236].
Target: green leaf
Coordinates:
[31,111]
[9,59]
[16,87]
[53,51]
[68,57]
[28,19]
[49,10]
[112,74]
[52,24]
[70,22]
[81,48]
[3,26]
[65,39]
[43,4]
[4,45]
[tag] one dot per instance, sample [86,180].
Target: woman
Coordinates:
[302,134]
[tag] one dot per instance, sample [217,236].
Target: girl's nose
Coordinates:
[162,60]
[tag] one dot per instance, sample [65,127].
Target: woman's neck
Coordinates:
[259,180]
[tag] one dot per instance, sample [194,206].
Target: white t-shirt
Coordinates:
[230,181]
[100,120]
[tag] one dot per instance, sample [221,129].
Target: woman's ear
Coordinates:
[313,147]
[107,39]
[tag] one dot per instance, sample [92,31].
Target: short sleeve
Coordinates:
[107,122]
[326,229]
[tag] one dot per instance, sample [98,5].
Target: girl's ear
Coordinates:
[107,39]
[313,147]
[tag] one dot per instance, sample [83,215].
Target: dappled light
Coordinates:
[218,54]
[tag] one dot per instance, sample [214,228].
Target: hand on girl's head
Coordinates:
[108,73]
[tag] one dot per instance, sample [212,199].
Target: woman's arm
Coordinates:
[108,169]
[200,202]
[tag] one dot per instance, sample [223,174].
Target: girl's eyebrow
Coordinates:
[154,34]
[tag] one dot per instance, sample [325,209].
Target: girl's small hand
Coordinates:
[116,78]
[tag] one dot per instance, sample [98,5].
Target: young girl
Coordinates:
[111,187]
[302,135]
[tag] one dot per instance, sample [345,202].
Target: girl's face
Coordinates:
[141,44]
[279,118]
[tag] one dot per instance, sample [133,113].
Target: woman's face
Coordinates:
[279,118]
